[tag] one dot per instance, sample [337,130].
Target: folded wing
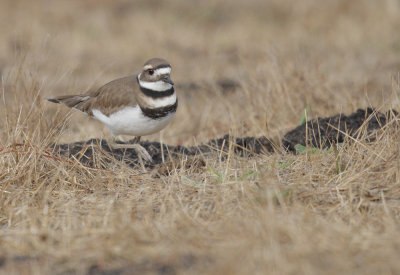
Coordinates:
[108,99]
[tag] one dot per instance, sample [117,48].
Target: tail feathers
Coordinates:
[69,100]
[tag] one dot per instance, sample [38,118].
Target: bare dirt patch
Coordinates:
[320,133]
[325,131]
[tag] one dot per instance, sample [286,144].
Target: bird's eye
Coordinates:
[150,72]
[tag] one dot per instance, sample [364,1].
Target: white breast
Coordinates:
[131,121]
[161,102]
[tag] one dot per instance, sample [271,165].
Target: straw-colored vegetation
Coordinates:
[321,212]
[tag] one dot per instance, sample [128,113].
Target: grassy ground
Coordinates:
[274,214]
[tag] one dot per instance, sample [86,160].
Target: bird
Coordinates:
[135,105]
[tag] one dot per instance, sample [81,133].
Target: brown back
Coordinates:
[108,99]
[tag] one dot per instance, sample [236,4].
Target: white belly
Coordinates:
[131,121]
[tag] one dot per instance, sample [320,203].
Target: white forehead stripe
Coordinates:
[161,71]
[158,86]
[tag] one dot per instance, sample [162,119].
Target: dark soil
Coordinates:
[167,266]
[245,147]
[321,133]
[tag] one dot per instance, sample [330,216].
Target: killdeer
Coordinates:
[135,105]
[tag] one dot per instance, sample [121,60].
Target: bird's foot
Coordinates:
[140,150]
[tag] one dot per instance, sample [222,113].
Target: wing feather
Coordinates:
[107,99]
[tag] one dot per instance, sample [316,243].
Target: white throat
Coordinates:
[158,86]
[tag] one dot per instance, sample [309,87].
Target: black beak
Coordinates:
[166,79]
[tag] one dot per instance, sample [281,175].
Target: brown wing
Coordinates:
[108,98]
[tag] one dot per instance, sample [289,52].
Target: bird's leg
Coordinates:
[140,151]
[136,139]
[112,143]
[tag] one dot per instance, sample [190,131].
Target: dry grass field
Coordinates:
[275,213]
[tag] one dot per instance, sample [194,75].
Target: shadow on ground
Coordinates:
[320,133]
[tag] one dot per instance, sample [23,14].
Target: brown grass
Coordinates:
[273,214]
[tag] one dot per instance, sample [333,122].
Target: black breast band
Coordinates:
[160,112]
